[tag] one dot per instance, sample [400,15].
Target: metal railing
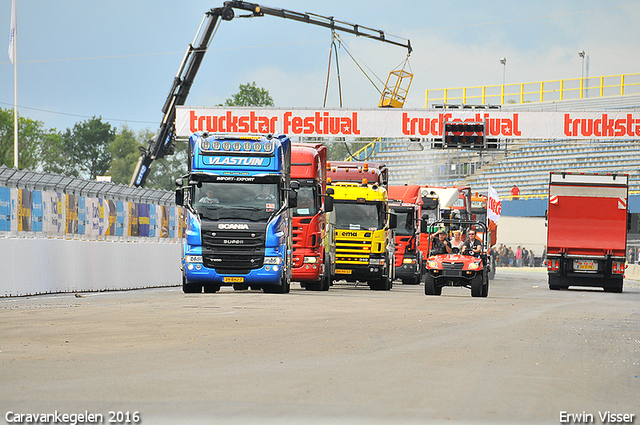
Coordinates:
[540,91]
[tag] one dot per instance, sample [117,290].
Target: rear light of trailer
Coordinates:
[618,267]
[553,265]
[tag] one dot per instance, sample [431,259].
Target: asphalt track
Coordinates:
[525,354]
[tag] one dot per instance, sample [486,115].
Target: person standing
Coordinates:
[515,192]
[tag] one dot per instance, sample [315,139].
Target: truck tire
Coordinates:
[613,285]
[210,288]
[191,288]
[380,284]
[283,288]
[430,287]
[312,286]
[477,284]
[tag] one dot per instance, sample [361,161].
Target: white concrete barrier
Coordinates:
[30,266]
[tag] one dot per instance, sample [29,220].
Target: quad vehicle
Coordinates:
[457,268]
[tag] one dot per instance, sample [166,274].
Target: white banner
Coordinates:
[494,205]
[398,123]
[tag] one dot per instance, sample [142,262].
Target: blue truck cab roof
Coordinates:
[222,154]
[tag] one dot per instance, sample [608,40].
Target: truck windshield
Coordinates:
[357,216]
[250,201]
[306,201]
[406,223]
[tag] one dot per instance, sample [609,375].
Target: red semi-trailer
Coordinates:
[406,203]
[587,230]
[313,254]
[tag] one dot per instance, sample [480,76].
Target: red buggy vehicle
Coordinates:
[457,268]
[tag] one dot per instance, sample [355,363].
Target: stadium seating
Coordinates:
[526,164]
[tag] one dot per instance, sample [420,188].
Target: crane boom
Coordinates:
[162,143]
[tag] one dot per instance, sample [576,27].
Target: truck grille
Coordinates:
[233,250]
[352,251]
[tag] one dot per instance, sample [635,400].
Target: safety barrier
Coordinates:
[539,91]
[64,234]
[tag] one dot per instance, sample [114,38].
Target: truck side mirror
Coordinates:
[423,226]
[180,196]
[393,221]
[328,203]
[293,198]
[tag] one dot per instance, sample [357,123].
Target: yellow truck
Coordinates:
[364,234]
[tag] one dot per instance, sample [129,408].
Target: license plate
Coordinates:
[585,265]
[233,279]
[343,271]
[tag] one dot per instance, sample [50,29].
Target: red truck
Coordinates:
[313,249]
[587,230]
[406,203]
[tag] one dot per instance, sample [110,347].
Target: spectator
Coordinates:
[532,259]
[515,192]
[518,256]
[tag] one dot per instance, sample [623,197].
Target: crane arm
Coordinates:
[162,143]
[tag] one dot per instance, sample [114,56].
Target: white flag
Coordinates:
[494,206]
[12,32]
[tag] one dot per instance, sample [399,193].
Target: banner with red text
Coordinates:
[398,123]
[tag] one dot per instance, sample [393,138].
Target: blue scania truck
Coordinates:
[237,197]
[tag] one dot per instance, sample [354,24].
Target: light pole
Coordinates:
[503,61]
[581,54]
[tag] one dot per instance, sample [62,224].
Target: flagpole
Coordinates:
[15,103]
[14,59]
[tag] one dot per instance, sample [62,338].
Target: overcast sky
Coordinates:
[117,59]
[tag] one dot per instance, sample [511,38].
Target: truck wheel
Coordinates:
[312,286]
[283,288]
[476,286]
[210,288]
[613,285]
[240,286]
[191,288]
[430,287]
[326,281]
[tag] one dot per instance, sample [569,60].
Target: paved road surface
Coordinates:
[348,356]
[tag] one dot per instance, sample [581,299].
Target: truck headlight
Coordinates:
[473,266]
[272,260]
[409,261]
[432,264]
[376,261]
[193,258]
[310,260]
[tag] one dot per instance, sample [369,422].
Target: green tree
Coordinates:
[250,95]
[125,153]
[52,153]
[87,147]
[165,171]
[340,151]
[30,134]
